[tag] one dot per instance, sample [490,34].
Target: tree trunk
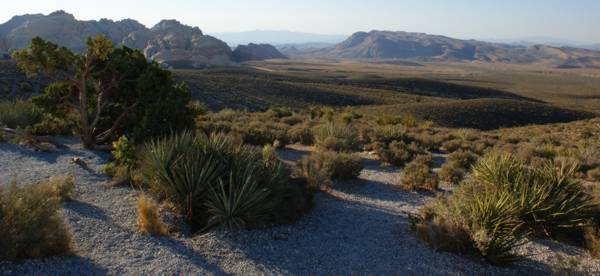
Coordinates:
[87,136]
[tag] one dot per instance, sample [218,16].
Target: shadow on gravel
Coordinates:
[87,210]
[70,265]
[186,252]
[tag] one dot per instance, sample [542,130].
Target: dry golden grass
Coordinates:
[32,225]
[148,220]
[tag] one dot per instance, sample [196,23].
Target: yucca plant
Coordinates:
[213,181]
[548,196]
[494,226]
[238,199]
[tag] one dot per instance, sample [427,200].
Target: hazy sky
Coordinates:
[577,20]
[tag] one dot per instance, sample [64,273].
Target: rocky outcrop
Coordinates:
[169,42]
[256,52]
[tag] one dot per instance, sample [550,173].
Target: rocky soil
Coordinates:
[357,227]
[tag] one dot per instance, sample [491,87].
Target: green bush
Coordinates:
[216,183]
[320,168]
[19,114]
[31,223]
[336,136]
[418,175]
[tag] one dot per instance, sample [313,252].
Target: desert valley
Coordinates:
[135,150]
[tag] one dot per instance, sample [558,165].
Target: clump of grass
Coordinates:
[336,136]
[62,186]
[389,133]
[19,114]
[32,225]
[320,168]
[418,175]
[148,220]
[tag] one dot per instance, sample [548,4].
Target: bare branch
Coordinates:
[104,135]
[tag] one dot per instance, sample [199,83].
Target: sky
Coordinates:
[574,20]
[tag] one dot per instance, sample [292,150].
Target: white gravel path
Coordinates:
[359,227]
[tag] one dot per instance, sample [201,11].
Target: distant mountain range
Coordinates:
[169,42]
[420,46]
[277,37]
[176,45]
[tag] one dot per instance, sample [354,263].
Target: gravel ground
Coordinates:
[358,227]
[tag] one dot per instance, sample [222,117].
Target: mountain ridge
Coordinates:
[426,47]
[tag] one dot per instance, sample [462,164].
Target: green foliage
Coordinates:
[107,92]
[320,168]
[336,136]
[214,182]
[124,152]
[32,225]
[19,114]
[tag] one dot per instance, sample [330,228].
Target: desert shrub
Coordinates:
[463,158]
[430,141]
[280,112]
[32,225]
[397,153]
[148,220]
[592,240]
[19,114]
[50,125]
[594,175]
[336,136]
[269,154]
[549,198]
[466,134]
[452,172]
[473,219]
[320,168]
[389,133]
[292,120]
[418,175]
[61,186]
[262,133]
[505,199]
[214,182]
[301,134]
[125,160]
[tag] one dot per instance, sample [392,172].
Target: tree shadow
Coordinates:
[186,252]
[344,238]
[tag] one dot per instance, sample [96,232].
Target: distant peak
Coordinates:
[62,13]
